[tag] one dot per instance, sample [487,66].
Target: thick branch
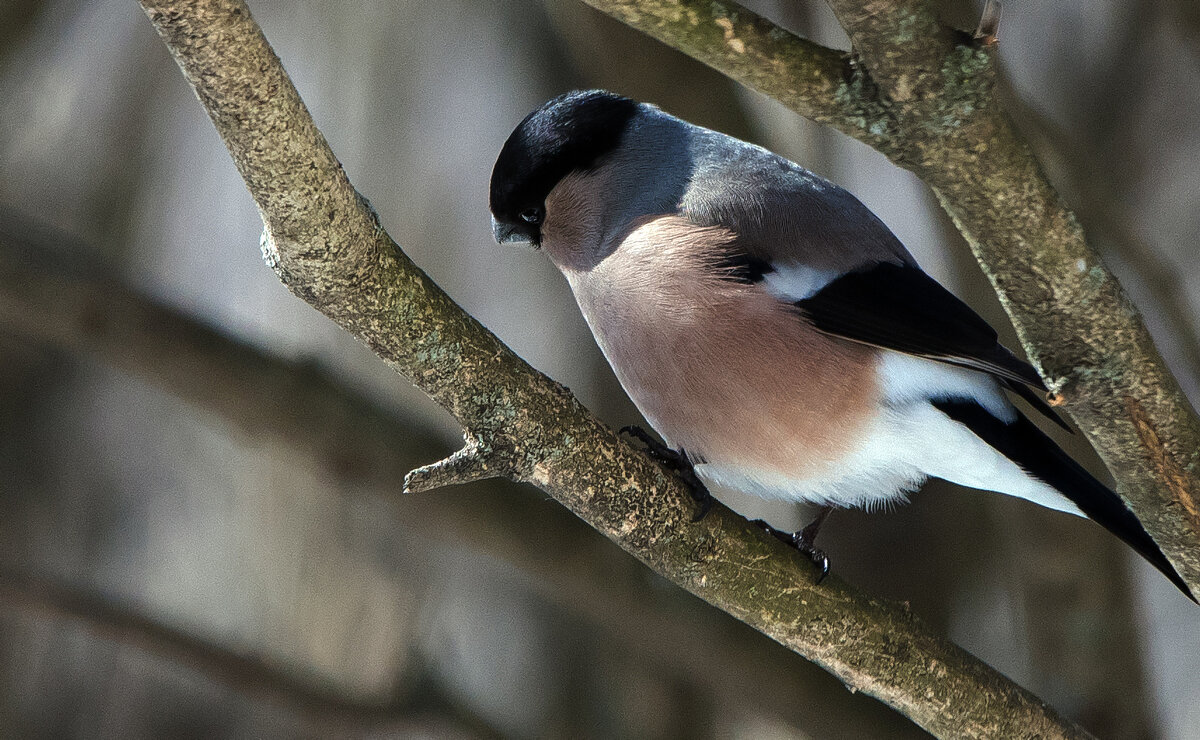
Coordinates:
[47,298]
[345,265]
[903,45]
[1074,320]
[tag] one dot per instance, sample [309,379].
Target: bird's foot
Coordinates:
[678,461]
[804,541]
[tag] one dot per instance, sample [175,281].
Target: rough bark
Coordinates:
[328,247]
[929,89]
[49,299]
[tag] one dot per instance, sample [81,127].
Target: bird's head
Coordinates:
[571,133]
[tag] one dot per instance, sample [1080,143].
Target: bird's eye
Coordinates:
[532,215]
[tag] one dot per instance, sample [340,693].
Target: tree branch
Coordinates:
[327,246]
[820,83]
[50,298]
[1077,325]
[76,303]
[903,45]
[252,677]
[467,465]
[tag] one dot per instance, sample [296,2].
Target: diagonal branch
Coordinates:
[50,298]
[1076,323]
[323,710]
[903,45]
[328,247]
[77,304]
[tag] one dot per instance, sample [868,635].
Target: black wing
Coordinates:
[899,307]
[1038,455]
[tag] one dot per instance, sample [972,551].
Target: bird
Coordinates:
[771,329]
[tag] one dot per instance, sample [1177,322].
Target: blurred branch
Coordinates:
[75,302]
[328,247]
[1083,630]
[249,676]
[935,85]
[52,298]
[820,83]
[16,17]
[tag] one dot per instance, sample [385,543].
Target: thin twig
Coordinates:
[469,464]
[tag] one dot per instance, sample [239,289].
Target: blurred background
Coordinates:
[201,526]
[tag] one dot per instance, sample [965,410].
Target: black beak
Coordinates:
[507,233]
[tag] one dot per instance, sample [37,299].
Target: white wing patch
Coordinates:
[906,378]
[793,282]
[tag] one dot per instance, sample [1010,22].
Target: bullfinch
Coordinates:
[772,330]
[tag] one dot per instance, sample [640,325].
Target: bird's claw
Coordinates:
[802,541]
[678,461]
[704,499]
[818,557]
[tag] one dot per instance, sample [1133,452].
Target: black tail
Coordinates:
[1038,455]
